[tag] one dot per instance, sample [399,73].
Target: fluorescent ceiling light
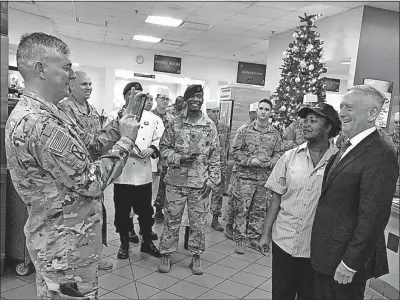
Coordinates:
[345,63]
[146,38]
[164,21]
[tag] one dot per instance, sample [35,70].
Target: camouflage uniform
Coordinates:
[184,183]
[89,119]
[162,167]
[171,110]
[54,175]
[293,136]
[249,195]
[396,140]
[224,136]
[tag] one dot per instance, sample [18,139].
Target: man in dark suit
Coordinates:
[347,242]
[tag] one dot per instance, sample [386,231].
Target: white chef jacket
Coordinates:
[160,128]
[138,171]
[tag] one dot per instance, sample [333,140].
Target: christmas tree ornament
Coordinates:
[311,67]
[283,108]
[296,49]
[285,53]
[297,80]
[303,64]
[295,35]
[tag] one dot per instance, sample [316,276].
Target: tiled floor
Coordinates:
[227,275]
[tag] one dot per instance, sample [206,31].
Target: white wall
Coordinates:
[104,59]
[340,33]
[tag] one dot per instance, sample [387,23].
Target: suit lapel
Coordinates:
[349,158]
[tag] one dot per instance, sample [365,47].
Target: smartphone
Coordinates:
[138,107]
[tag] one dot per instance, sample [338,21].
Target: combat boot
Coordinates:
[133,238]
[123,252]
[215,224]
[149,248]
[196,266]
[159,216]
[239,249]
[154,235]
[229,231]
[165,265]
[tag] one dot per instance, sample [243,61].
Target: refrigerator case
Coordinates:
[236,100]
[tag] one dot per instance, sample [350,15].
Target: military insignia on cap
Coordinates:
[59,142]
[146,123]
[77,152]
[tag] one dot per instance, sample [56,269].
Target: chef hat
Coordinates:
[213,104]
[253,106]
[397,117]
[162,91]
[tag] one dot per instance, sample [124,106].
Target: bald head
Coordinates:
[81,86]
[43,61]
[360,108]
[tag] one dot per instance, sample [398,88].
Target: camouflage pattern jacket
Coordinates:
[293,136]
[224,135]
[172,111]
[54,175]
[251,142]
[166,118]
[184,137]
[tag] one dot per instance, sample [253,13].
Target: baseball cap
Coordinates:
[322,109]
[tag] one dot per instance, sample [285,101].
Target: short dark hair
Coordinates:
[266,101]
[39,45]
[336,128]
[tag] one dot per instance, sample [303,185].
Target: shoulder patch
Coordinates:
[77,152]
[59,141]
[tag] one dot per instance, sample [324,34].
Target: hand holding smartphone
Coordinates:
[136,104]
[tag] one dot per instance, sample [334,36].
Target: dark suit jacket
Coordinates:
[354,209]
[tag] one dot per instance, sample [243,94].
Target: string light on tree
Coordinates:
[302,72]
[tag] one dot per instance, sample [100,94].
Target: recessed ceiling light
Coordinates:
[164,21]
[146,38]
[345,63]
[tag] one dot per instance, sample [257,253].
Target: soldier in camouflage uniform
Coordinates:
[224,139]
[256,150]
[178,107]
[396,141]
[293,136]
[190,147]
[54,174]
[162,112]
[77,107]
[229,213]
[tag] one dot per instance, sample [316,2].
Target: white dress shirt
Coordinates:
[357,139]
[138,171]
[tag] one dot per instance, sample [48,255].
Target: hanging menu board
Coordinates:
[249,73]
[167,64]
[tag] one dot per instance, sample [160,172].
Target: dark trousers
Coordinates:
[136,197]
[291,276]
[326,288]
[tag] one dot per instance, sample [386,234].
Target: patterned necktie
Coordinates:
[342,150]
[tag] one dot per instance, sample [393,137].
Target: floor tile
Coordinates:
[185,262]
[259,294]
[259,270]
[117,263]
[177,257]
[135,255]
[125,272]
[228,243]
[150,263]
[8,282]
[220,271]
[146,291]
[234,263]
[158,280]
[180,272]
[265,261]
[102,292]
[248,279]
[205,280]
[24,292]
[111,281]
[128,291]
[209,244]
[187,290]
[266,286]
[113,296]
[222,249]
[233,288]
[212,237]
[248,256]
[212,256]
[110,250]
[215,295]
[31,278]
[165,296]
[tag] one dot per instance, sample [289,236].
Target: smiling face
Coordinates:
[263,111]
[57,72]
[357,113]
[81,87]
[315,127]
[195,102]
[149,103]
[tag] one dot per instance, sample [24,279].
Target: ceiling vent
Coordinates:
[196,26]
[171,42]
[99,23]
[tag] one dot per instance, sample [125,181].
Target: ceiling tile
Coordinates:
[282,24]
[321,8]
[162,47]
[25,6]
[213,13]
[50,6]
[348,4]
[226,6]
[263,11]
[177,37]
[394,6]
[242,18]
[203,20]
[293,5]
[292,16]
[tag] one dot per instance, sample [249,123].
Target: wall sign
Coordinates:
[226,93]
[249,73]
[331,84]
[167,64]
[386,88]
[144,75]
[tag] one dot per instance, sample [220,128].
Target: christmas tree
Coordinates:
[302,72]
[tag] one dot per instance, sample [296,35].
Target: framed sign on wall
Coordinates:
[249,73]
[386,88]
[167,64]
[332,84]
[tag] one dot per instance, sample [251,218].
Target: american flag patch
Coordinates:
[59,142]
